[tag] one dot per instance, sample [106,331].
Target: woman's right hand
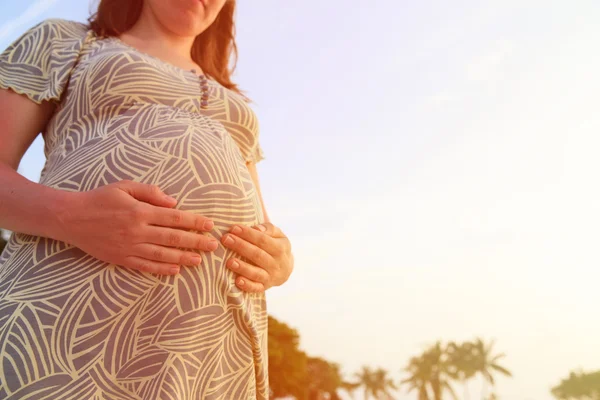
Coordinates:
[133,225]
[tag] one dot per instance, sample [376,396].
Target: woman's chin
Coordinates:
[192,27]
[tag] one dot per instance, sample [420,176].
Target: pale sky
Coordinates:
[435,166]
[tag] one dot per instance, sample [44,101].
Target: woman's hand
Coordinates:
[270,254]
[132,224]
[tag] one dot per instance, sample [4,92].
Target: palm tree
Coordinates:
[440,377]
[382,383]
[430,371]
[486,363]
[461,363]
[366,378]
[419,378]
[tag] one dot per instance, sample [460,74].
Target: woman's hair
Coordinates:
[214,49]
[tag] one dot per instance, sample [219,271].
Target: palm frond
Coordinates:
[501,369]
[489,377]
[451,390]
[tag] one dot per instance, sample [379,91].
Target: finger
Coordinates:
[256,237]
[254,254]
[147,193]
[269,229]
[249,271]
[282,243]
[179,238]
[167,254]
[179,219]
[249,286]
[144,265]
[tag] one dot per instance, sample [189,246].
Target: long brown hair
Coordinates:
[215,49]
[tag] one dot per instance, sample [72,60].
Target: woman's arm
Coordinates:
[25,206]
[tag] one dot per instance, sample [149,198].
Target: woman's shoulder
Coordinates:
[59,28]
[38,63]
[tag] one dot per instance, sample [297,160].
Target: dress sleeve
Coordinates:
[241,122]
[253,151]
[256,154]
[38,64]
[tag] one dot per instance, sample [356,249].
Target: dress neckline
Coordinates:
[193,72]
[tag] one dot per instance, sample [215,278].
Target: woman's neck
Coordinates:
[152,37]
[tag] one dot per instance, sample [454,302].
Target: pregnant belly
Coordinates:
[189,156]
[79,314]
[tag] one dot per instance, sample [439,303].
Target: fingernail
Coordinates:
[229,240]
[174,270]
[242,283]
[196,260]
[208,225]
[235,264]
[213,244]
[169,198]
[236,230]
[262,228]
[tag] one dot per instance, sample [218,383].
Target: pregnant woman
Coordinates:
[137,267]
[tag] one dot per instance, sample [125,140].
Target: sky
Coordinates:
[435,167]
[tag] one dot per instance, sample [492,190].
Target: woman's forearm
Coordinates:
[29,207]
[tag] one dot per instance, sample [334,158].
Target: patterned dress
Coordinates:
[75,327]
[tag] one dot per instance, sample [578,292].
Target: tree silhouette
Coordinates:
[324,378]
[382,384]
[366,378]
[287,363]
[461,363]
[419,378]
[293,373]
[430,374]
[486,363]
[578,386]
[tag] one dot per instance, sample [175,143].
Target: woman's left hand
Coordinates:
[269,251]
